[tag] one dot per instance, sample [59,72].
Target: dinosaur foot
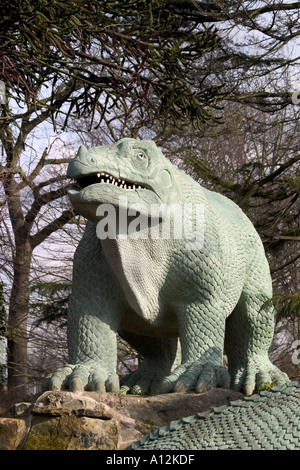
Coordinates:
[147,379]
[196,376]
[82,376]
[259,374]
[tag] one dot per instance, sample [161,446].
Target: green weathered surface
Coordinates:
[152,291]
[267,421]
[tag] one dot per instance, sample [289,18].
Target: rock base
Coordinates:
[91,421]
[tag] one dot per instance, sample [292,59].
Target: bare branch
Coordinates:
[258,184]
[66,217]
[42,200]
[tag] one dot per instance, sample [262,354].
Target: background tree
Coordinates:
[26,198]
[2,331]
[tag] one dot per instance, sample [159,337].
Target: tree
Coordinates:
[26,198]
[259,41]
[100,54]
[162,54]
[2,331]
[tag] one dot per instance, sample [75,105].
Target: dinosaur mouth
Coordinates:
[105,178]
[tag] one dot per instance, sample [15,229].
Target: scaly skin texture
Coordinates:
[267,421]
[209,292]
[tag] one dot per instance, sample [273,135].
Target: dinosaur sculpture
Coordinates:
[269,420]
[205,280]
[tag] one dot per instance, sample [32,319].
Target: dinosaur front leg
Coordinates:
[201,329]
[93,319]
[249,332]
[92,345]
[92,356]
[92,353]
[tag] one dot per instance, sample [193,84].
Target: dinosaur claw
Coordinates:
[136,390]
[76,385]
[124,390]
[100,387]
[55,384]
[249,389]
[200,387]
[180,387]
[166,387]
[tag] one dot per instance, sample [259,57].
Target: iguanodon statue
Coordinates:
[203,279]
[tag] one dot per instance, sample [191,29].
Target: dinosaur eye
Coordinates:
[140,159]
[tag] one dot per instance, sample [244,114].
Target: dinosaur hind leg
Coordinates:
[249,333]
[160,355]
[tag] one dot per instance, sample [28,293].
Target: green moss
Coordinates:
[265,386]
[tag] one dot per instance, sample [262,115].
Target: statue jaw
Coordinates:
[87,192]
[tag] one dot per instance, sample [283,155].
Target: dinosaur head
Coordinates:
[133,168]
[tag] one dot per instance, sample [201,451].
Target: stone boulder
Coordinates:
[90,421]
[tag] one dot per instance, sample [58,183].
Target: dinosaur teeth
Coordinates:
[102,177]
[75,183]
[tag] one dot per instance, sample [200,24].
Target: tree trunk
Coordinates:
[17,321]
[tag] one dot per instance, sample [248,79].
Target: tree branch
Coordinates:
[42,200]
[219,11]
[55,225]
[258,184]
